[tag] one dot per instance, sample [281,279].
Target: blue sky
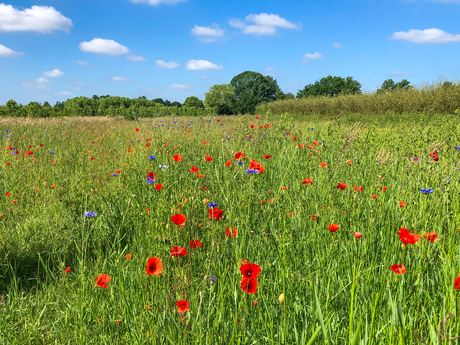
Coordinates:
[52,50]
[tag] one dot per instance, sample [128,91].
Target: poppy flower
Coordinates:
[154,266]
[183,306]
[457,283]
[384,188]
[357,234]
[238,155]
[92,158]
[136,130]
[250,271]
[402,204]
[252,126]
[195,244]
[158,186]
[7,193]
[398,269]
[230,232]
[333,227]
[434,155]
[177,251]
[178,219]
[102,280]
[342,186]
[431,236]
[67,270]
[200,175]
[215,213]
[349,162]
[208,159]
[323,165]
[267,156]
[358,189]
[374,196]
[408,238]
[128,256]
[203,142]
[294,138]
[194,169]
[177,158]
[249,285]
[315,143]
[300,146]
[228,164]
[256,166]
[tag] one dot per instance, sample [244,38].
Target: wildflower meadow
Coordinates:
[230,230]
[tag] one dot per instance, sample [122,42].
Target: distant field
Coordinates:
[295,192]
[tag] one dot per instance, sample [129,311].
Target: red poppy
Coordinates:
[267,156]
[67,270]
[158,186]
[7,193]
[398,269]
[358,189]
[250,271]
[434,155]
[208,159]
[384,188]
[178,219]
[323,165]
[431,236]
[308,181]
[402,204]
[252,126]
[194,169]
[294,138]
[215,213]
[200,175]
[92,158]
[249,285]
[238,155]
[256,166]
[342,186]
[408,238]
[203,142]
[128,256]
[177,158]
[228,164]
[374,196]
[230,232]
[315,143]
[177,251]
[183,306]
[136,130]
[154,266]
[333,227]
[102,280]
[195,244]
[457,283]
[269,126]
[357,234]
[349,162]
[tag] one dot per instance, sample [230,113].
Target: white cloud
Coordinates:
[270,69]
[164,64]
[41,19]
[399,74]
[337,45]
[426,36]
[54,73]
[293,84]
[7,52]
[81,62]
[64,93]
[207,33]
[200,65]
[157,2]
[103,46]
[151,89]
[265,24]
[39,84]
[180,86]
[135,58]
[313,56]
[116,78]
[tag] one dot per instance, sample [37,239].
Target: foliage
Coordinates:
[390,85]
[251,89]
[331,86]
[221,96]
[193,102]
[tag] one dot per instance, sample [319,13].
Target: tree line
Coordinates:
[242,95]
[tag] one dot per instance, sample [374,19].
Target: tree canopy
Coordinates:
[390,85]
[331,86]
[193,102]
[221,96]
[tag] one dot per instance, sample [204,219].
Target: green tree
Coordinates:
[193,102]
[176,104]
[251,89]
[159,100]
[222,97]
[331,86]
[390,85]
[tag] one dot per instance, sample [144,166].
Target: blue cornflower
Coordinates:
[201,118]
[249,171]
[138,141]
[151,180]
[13,153]
[457,147]
[152,157]
[312,128]
[227,138]
[426,191]
[249,139]
[115,175]
[7,130]
[163,166]
[212,204]
[52,152]
[90,214]
[114,149]
[240,163]
[209,121]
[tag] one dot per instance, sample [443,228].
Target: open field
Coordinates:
[317,284]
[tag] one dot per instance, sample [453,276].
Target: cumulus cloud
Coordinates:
[81,62]
[264,24]
[103,46]
[164,64]
[41,19]
[200,65]
[207,33]
[53,74]
[180,86]
[157,2]
[135,58]
[426,36]
[337,45]
[39,84]
[64,93]
[7,52]
[116,78]
[314,56]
